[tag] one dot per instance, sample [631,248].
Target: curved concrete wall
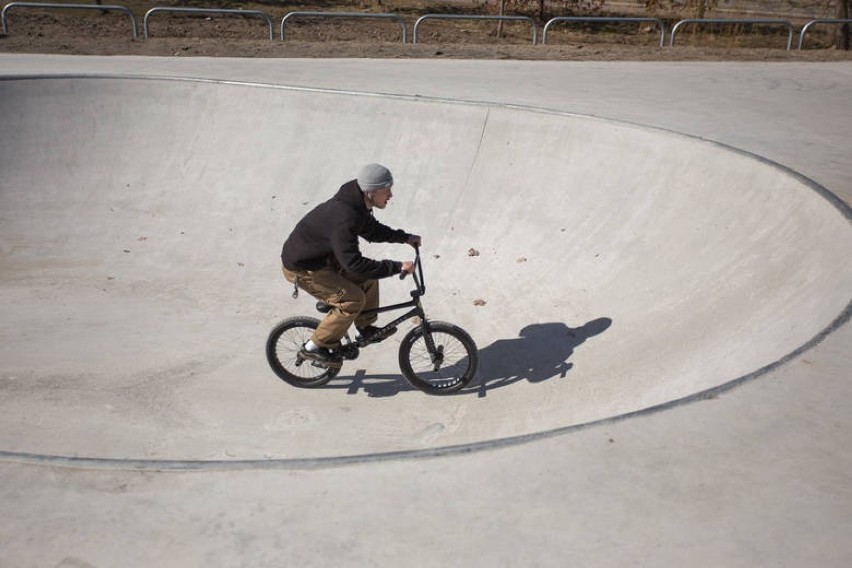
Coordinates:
[622,267]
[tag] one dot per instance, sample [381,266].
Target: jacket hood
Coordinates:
[350,194]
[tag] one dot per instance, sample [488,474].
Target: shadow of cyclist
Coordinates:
[539,353]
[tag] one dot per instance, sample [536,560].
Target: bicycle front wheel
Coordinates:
[282,351]
[441,361]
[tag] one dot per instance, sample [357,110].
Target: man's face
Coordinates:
[380,197]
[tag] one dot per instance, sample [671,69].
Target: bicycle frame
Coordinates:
[417,309]
[415,295]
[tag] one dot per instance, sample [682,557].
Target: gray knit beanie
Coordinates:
[373,177]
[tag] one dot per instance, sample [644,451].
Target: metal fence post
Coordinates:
[51,6]
[258,13]
[604,19]
[298,14]
[769,21]
[466,17]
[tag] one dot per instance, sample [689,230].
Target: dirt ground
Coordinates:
[97,32]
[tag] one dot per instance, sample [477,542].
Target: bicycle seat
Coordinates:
[322,307]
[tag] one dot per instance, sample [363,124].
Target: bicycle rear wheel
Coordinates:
[446,366]
[282,351]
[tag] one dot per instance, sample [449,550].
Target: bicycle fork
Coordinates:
[436,352]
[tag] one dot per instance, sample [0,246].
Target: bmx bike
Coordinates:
[435,357]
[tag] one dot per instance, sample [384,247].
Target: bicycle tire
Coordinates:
[282,348]
[459,353]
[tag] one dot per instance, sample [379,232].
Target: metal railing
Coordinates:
[656,21]
[50,6]
[767,21]
[298,14]
[466,17]
[401,21]
[258,13]
[815,22]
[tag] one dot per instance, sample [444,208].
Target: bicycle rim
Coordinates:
[453,367]
[282,351]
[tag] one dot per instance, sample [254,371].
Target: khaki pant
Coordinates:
[346,298]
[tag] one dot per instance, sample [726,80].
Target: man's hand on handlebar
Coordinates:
[409,266]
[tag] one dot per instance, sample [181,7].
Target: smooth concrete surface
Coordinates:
[615,261]
[691,263]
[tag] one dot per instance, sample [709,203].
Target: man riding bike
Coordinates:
[322,256]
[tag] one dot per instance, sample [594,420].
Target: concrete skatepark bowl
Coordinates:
[623,269]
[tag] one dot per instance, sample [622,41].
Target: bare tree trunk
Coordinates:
[500,23]
[842,38]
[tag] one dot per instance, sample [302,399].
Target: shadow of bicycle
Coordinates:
[540,352]
[374,386]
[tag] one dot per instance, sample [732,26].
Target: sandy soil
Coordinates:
[94,32]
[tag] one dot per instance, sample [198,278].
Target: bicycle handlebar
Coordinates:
[418,265]
[402,275]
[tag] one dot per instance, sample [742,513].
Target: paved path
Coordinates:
[753,475]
